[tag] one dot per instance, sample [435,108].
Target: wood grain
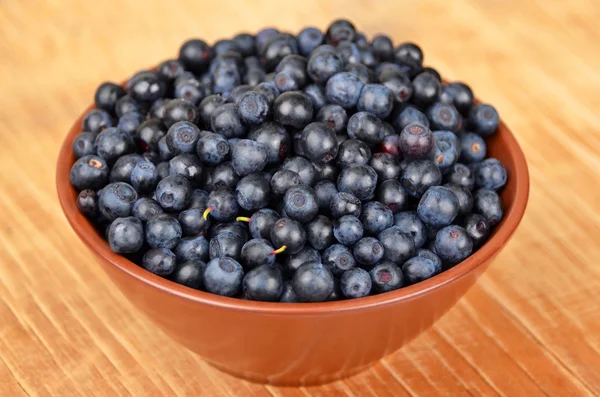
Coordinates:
[529,328]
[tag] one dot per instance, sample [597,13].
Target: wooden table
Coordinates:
[530,327]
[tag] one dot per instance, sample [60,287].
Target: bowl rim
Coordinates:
[84,229]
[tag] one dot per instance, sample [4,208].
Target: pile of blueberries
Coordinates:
[290,168]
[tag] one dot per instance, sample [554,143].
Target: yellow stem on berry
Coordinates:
[207,211]
[242,219]
[279,250]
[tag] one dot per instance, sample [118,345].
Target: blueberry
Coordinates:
[300,203]
[113,143]
[268,90]
[192,222]
[391,194]
[421,267]
[348,230]
[453,244]
[444,117]
[169,70]
[355,283]
[319,142]
[192,249]
[309,38]
[198,199]
[335,116]
[473,147]
[127,104]
[173,192]
[326,172]
[96,120]
[302,167]
[106,96]
[145,208]
[312,282]
[195,55]
[124,166]
[263,283]
[163,150]
[359,180]
[487,203]
[182,137]
[188,166]
[366,127]
[420,175]
[294,66]
[386,276]
[461,175]
[146,87]
[223,46]
[344,89]
[319,232]
[426,89]
[253,77]
[336,294]
[261,223]
[484,119]
[290,233]
[416,141]
[276,48]
[446,150]
[376,217]
[225,244]
[180,110]
[190,274]
[490,174]
[126,235]
[438,207]
[376,99]
[163,231]
[149,133]
[87,203]
[361,71]
[287,293]
[129,123]
[323,63]
[116,200]
[249,157]
[391,145]
[293,109]
[339,31]
[398,246]
[240,229]
[253,108]
[207,107]
[144,177]
[368,251]
[349,52]
[223,276]
[433,72]
[410,115]
[244,43]
[84,144]
[409,51]
[89,172]
[338,258]
[386,166]
[275,138]
[160,261]
[409,223]
[306,254]
[225,120]
[212,149]
[325,191]
[282,180]
[353,152]
[477,228]
[383,48]
[399,85]
[257,252]
[224,176]
[464,196]
[459,95]
[222,204]
[253,191]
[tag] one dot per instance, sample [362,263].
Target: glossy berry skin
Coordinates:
[89,172]
[325,191]
[353,152]
[163,231]
[149,133]
[300,203]
[224,204]
[302,167]
[459,95]
[123,167]
[308,39]
[180,110]
[224,176]
[173,193]
[391,194]
[263,283]
[225,244]
[282,180]
[487,203]
[195,55]
[146,87]
[290,233]
[420,175]
[306,254]
[157,109]
[285,81]
[385,165]
[87,203]
[416,141]
[182,137]
[325,172]
[106,96]
[464,196]
[275,138]
[399,86]
[366,127]
[238,228]
[438,207]
[361,71]
[444,117]
[198,199]
[212,149]
[276,48]
[409,51]
[84,144]
[477,228]
[426,89]
[144,176]
[253,108]
[338,258]
[223,276]
[253,191]
[348,229]
[319,142]
[312,282]
[345,204]
[192,222]
[170,70]
[484,119]
[410,115]
[386,276]
[127,104]
[126,235]
[236,94]
[355,283]
[446,150]
[160,261]
[343,89]
[383,48]
[225,120]
[207,107]
[368,251]
[319,233]
[473,147]
[376,99]
[398,246]
[188,166]
[145,208]
[409,223]
[323,63]
[268,90]
[190,274]
[339,31]
[293,109]
[453,244]
[96,120]
[391,145]
[287,293]
[421,267]
[261,223]
[116,200]
[359,180]
[334,116]
[461,175]
[257,252]
[113,143]
[249,157]
[376,217]
[129,123]
[490,174]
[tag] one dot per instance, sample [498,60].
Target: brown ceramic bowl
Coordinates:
[299,343]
